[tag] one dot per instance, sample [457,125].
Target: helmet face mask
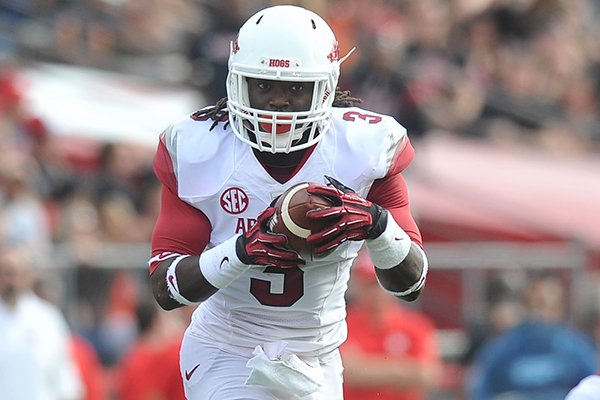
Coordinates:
[283,43]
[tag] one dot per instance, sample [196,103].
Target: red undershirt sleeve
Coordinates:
[391,192]
[180,228]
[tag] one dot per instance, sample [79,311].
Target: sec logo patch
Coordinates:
[234,200]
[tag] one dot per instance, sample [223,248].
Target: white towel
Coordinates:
[277,369]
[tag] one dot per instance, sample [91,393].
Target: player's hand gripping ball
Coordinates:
[290,217]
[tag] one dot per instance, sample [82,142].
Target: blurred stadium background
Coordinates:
[500,98]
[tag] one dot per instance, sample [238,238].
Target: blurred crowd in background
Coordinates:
[507,70]
[517,73]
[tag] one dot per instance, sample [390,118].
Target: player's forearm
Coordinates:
[191,283]
[401,265]
[187,280]
[405,275]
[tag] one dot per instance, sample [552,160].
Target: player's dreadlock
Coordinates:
[218,113]
[343,98]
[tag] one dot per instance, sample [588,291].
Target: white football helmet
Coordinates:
[286,43]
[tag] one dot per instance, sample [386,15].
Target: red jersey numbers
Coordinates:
[291,282]
[234,201]
[370,118]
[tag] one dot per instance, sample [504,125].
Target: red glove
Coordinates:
[350,218]
[258,246]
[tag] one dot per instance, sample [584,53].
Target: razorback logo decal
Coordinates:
[235,46]
[334,54]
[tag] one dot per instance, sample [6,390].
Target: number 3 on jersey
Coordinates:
[370,118]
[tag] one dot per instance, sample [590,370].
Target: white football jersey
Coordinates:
[219,174]
[587,389]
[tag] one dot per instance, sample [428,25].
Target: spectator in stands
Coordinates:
[448,99]
[118,193]
[503,312]
[391,352]
[35,362]
[150,368]
[205,53]
[48,286]
[116,330]
[23,217]
[379,81]
[541,358]
[89,367]
[53,177]
[117,173]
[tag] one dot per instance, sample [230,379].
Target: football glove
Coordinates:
[351,217]
[259,246]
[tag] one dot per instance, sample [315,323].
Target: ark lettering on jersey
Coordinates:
[243,225]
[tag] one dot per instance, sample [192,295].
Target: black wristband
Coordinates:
[380,216]
[240,250]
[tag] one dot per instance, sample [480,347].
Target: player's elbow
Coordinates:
[161,293]
[412,296]
[166,302]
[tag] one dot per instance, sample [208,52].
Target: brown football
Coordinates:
[290,216]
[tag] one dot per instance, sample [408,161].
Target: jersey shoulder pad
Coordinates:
[377,136]
[189,125]
[202,157]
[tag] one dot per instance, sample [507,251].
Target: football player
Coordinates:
[269,322]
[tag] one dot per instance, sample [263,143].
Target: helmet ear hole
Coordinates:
[285,43]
